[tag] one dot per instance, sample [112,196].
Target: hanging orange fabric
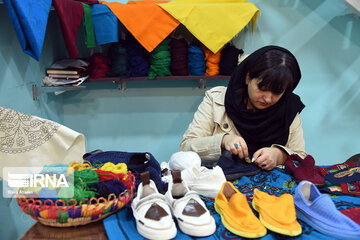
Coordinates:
[146,21]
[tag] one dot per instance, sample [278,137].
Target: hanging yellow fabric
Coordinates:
[146,21]
[213,22]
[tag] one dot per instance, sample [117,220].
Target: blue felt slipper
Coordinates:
[319,211]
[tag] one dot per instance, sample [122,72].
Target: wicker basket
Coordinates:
[59,214]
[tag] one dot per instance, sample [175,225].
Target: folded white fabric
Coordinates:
[192,216]
[183,160]
[204,181]
[30,141]
[151,211]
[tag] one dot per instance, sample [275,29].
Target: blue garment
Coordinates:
[106,24]
[29,20]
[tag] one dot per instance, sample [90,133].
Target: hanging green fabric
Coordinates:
[160,60]
[89,27]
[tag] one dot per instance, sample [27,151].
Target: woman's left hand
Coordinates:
[269,157]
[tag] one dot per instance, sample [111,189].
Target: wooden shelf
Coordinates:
[37,91]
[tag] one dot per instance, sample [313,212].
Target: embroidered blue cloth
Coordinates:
[276,182]
[29,20]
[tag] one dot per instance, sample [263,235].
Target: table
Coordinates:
[38,231]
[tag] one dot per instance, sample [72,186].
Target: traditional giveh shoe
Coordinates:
[304,169]
[319,211]
[151,211]
[192,216]
[234,167]
[236,214]
[204,181]
[277,213]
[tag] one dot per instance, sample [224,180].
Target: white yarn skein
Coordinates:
[183,160]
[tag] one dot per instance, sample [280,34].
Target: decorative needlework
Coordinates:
[20,132]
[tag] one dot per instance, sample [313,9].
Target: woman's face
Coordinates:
[259,99]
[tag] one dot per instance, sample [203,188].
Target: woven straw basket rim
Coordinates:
[91,209]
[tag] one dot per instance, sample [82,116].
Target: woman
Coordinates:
[256,116]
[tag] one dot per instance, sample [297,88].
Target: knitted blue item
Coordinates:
[319,211]
[234,167]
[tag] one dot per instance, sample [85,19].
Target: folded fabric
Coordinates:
[214,14]
[352,188]
[31,141]
[236,214]
[106,24]
[234,167]
[70,14]
[146,21]
[347,175]
[89,27]
[304,169]
[319,211]
[277,213]
[354,160]
[29,21]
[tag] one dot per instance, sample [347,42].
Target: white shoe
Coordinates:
[151,211]
[192,216]
[204,181]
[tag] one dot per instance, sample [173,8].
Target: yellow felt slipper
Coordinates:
[236,214]
[277,213]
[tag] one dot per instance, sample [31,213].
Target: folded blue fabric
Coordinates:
[346,175]
[106,24]
[319,211]
[234,167]
[29,20]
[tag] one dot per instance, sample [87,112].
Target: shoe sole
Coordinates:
[290,233]
[237,232]
[158,233]
[304,218]
[196,231]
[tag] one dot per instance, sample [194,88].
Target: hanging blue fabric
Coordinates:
[29,20]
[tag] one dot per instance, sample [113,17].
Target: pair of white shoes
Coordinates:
[154,212]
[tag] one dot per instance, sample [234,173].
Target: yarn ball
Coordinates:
[182,160]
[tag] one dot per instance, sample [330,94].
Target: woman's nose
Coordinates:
[268,97]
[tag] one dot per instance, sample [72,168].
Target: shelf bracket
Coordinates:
[122,85]
[38,91]
[202,83]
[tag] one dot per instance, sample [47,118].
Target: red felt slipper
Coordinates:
[304,169]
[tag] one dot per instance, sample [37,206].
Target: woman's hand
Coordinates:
[269,157]
[236,145]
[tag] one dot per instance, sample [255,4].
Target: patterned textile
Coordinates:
[30,141]
[275,182]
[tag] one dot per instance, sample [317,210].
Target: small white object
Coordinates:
[204,181]
[183,160]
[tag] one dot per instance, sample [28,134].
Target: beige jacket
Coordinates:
[211,123]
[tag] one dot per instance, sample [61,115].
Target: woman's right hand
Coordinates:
[236,145]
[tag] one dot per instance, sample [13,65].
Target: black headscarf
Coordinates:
[263,127]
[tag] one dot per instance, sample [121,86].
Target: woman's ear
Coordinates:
[247,79]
